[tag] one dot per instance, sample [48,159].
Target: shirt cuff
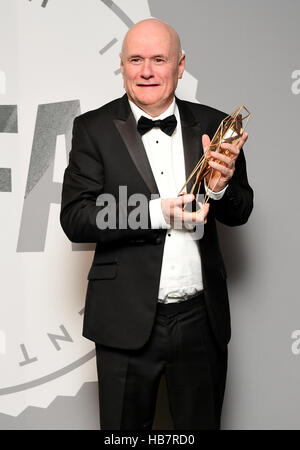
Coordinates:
[156,215]
[215,195]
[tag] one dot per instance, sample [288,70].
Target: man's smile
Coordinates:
[147,85]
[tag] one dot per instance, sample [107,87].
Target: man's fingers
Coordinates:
[221,157]
[183,199]
[233,149]
[205,142]
[202,213]
[242,140]
[198,216]
[204,210]
[224,171]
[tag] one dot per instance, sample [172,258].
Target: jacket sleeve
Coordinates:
[237,203]
[83,183]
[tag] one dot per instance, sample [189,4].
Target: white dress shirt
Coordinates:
[181,274]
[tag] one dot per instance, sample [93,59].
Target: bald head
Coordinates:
[146,28]
[151,64]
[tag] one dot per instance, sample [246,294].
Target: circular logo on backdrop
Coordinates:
[67,62]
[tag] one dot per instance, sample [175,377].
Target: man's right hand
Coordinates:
[176,215]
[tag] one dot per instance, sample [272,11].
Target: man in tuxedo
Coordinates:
[157,299]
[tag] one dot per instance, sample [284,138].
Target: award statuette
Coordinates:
[229,131]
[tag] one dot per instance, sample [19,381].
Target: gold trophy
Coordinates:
[229,131]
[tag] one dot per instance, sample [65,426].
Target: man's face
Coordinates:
[151,66]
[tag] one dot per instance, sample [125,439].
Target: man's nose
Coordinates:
[147,71]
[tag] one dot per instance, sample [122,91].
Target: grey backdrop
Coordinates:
[240,52]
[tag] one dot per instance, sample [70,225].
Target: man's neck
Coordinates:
[155,111]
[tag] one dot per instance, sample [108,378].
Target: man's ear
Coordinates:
[121,63]
[181,65]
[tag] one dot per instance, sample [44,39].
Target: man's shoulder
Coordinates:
[200,110]
[105,111]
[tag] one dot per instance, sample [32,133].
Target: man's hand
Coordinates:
[175,214]
[224,170]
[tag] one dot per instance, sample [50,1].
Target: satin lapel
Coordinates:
[136,149]
[191,136]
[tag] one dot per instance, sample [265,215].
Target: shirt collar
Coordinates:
[138,112]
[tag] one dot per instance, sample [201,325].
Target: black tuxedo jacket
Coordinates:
[107,152]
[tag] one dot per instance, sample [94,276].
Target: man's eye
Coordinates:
[135,60]
[159,60]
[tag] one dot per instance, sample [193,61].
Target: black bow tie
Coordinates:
[167,125]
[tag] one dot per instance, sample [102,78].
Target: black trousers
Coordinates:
[182,347]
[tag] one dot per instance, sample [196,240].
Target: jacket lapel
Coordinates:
[192,131]
[126,126]
[191,136]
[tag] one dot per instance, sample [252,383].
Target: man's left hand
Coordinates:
[223,170]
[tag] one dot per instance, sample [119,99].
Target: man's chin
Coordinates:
[150,102]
